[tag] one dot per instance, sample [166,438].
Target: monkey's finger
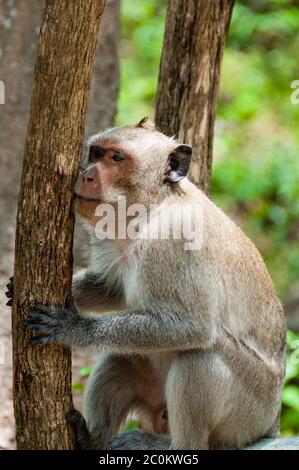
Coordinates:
[41,319]
[39,315]
[34,318]
[40,327]
[49,310]
[39,340]
[9,285]
[9,303]
[9,294]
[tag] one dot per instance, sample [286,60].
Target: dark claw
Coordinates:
[9,292]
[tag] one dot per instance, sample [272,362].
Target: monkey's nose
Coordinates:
[86,179]
[89,175]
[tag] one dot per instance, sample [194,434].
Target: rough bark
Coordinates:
[43,257]
[194,40]
[18,36]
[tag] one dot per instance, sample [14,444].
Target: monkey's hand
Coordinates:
[9,292]
[57,325]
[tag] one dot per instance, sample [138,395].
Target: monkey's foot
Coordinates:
[9,292]
[140,440]
[77,421]
[84,439]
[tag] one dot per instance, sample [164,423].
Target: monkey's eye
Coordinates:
[95,152]
[118,157]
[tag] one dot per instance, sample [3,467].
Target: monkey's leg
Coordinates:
[109,396]
[211,408]
[189,388]
[189,394]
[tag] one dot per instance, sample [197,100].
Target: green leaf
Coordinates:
[132,425]
[78,387]
[85,371]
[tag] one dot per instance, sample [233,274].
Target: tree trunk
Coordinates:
[43,258]
[18,36]
[194,40]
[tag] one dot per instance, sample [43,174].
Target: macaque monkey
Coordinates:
[195,338]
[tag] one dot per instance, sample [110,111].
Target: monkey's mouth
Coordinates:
[86,198]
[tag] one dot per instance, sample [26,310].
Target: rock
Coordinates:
[280,443]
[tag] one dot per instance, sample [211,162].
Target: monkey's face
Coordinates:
[130,161]
[104,179]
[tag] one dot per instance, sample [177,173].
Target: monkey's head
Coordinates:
[135,161]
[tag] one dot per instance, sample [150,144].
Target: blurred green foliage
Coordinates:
[290,396]
[141,45]
[256,164]
[256,147]
[85,371]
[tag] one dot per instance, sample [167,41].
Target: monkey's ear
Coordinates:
[146,123]
[178,163]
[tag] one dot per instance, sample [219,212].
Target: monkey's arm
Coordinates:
[132,331]
[91,294]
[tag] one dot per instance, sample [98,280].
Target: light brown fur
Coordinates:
[201,331]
